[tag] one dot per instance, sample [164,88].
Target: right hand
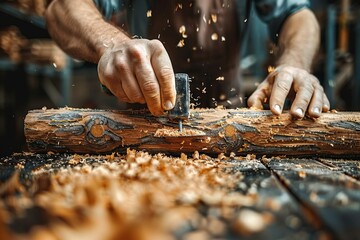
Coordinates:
[139,71]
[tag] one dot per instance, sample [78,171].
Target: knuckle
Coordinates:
[284,86]
[120,64]
[136,53]
[304,102]
[108,80]
[123,99]
[122,96]
[251,100]
[167,91]
[137,98]
[166,72]
[134,49]
[309,89]
[107,74]
[319,88]
[314,79]
[306,93]
[150,88]
[156,44]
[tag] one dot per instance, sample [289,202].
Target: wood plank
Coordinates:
[347,166]
[291,220]
[210,131]
[333,196]
[261,194]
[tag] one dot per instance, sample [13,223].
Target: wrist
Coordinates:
[107,38]
[293,62]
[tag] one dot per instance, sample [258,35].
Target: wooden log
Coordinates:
[209,131]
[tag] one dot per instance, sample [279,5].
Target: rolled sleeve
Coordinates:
[108,7]
[274,12]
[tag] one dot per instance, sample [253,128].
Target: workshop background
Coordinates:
[35,73]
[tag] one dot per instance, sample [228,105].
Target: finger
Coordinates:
[107,75]
[302,100]
[121,94]
[326,103]
[114,85]
[164,73]
[281,88]
[259,96]
[316,103]
[147,80]
[104,72]
[128,83]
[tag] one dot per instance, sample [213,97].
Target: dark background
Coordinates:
[25,86]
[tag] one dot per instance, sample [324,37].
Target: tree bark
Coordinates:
[210,131]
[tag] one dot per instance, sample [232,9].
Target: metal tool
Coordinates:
[182,102]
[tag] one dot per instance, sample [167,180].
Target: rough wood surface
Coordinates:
[72,196]
[210,131]
[246,200]
[329,194]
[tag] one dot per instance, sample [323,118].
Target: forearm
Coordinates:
[80,30]
[299,40]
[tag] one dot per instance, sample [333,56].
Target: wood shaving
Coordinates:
[170,132]
[132,196]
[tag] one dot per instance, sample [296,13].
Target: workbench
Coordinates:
[278,197]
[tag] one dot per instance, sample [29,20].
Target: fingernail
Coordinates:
[299,112]
[168,105]
[316,110]
[277,108]
[326,107]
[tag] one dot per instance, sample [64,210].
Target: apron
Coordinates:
[202,39]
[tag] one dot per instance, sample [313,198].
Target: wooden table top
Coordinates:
[299,198]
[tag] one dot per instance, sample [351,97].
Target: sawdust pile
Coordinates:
[136,196]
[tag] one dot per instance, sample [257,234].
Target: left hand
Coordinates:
[287,81]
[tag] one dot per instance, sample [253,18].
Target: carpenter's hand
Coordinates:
[287,81]
[139,71]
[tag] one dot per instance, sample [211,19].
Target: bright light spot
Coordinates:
[270,69]
[181,43]
[182,30]
[148,13]
[178,6]
[214,36]
[214,17]
[221,78]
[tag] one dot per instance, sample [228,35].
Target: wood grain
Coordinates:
[210,131]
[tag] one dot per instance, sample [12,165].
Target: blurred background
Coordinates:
[35,73]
